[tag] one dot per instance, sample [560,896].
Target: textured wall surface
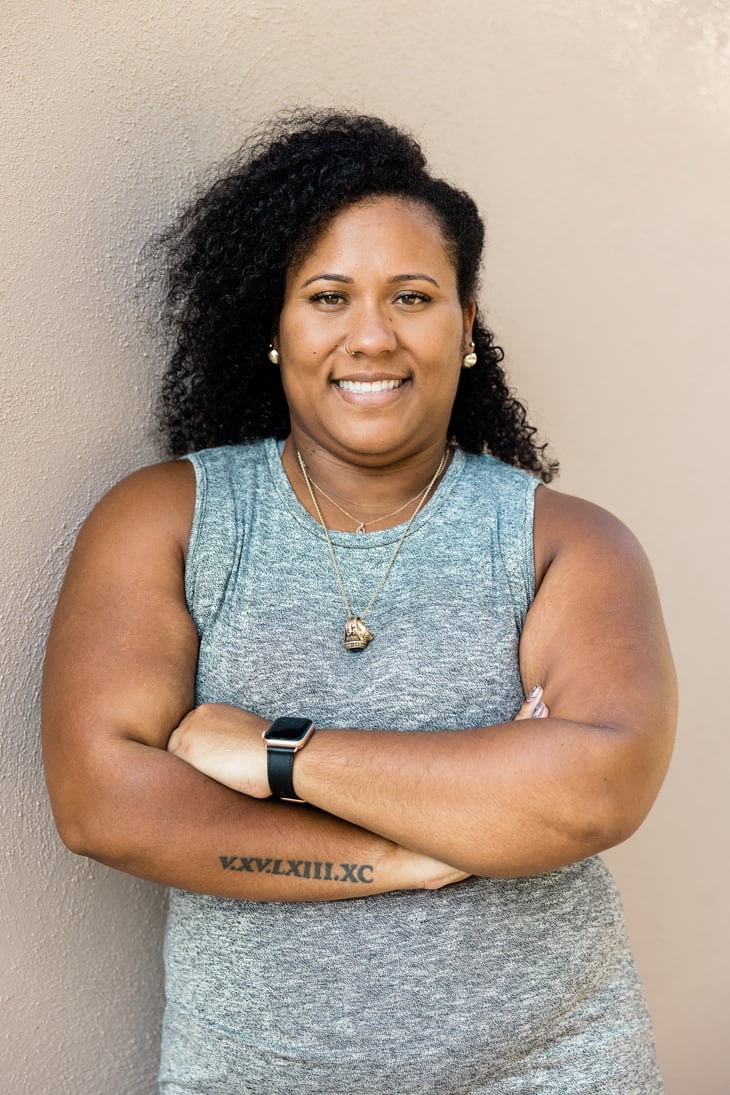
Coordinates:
[596,137]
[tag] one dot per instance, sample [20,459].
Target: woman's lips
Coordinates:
[376,392]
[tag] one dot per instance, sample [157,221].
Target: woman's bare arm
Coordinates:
[525,796]
[119,677]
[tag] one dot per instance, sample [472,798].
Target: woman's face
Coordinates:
[379,279]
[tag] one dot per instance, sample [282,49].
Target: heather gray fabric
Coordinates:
[500,987]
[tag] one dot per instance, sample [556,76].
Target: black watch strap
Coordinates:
[281,770]
[285,737]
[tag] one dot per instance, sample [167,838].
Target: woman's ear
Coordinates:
[470,311]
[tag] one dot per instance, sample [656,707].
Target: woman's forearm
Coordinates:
[508,800]
[149,814]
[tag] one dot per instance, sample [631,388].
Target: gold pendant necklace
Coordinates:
[357,635]
[361,526]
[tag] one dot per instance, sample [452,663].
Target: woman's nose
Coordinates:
[371,331]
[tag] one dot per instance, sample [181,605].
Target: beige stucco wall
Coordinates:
[595,136]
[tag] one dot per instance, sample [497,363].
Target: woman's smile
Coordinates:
[368,385]
[364,391]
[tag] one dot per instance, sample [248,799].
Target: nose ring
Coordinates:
[348,351]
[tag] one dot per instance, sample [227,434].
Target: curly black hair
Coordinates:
[226,259]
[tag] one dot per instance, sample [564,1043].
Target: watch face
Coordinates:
[288,729]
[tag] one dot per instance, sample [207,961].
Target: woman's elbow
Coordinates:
[84,794]
[82,829]
[619,809]
[623,786]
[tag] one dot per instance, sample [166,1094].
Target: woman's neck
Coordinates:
[362,497]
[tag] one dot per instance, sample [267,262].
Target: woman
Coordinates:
[342,551]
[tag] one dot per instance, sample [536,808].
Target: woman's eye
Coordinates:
[327,298]
[410,298]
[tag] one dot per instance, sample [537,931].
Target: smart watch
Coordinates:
[285,737]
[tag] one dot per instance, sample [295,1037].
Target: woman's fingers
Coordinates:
[437,875]
[533,707]
[448,878]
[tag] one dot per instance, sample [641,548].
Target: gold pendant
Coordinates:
[357,635]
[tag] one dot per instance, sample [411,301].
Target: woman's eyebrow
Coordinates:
[348,281]
[415,277]
[328,277]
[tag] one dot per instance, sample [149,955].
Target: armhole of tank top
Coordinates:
[191,559]
[516,541]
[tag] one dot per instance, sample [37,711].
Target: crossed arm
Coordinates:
[143,782]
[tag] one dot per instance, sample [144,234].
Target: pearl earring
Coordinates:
[273,355]
[469,360]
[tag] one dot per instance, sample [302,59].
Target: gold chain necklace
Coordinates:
[357,635]
[361,524]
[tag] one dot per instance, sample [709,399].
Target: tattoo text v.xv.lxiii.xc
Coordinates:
[300,868]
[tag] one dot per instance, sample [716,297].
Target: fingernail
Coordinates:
[540,711]
[535,691]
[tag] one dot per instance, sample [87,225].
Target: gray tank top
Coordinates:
[490,986]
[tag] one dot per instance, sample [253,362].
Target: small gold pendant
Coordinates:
[357,635]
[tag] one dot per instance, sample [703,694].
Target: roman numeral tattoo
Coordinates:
[300,868]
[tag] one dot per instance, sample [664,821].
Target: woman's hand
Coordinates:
[533,707]
[413,871]
[225,743]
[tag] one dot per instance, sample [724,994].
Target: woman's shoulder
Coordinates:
[154,504]
[563,525]
[570,527]
[234,458]
[166,491]
[494,474]
[560,520]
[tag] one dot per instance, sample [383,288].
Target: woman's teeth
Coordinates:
[368,385]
